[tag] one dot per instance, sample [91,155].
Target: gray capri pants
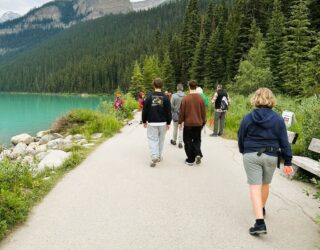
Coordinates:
[259,169]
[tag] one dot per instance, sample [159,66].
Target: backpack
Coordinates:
[224,103]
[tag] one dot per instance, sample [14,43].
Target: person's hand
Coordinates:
[145,125]
[168,127]
[180,126]
[288,170]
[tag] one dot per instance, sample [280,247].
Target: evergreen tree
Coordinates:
[167,73]
[297,45]
[213,61]
[312,76]
[198,64]
[209,22]
[190,36]
[314,7]
[137,81]
[175,57]
[254,72]
[151,70]
[275,43]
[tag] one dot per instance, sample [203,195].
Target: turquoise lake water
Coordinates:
[30,113]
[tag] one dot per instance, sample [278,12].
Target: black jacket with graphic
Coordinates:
[157,108]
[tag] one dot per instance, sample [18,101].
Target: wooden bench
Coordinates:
[306,163]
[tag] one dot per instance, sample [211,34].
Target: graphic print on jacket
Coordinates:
[157,101]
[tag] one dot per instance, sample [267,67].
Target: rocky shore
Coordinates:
[46,149]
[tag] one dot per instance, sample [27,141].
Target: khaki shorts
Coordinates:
[259,169]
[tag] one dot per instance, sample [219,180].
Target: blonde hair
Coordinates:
[263,98]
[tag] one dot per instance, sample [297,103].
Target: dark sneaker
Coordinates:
[198,159]
[189,163]
[154,163]
[180,145]
[213,135]
[220,134]
[258,229]
[173,142]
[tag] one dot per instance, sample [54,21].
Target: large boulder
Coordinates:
[23,138]
[45,139]
[41,134]
[40,156]
[56,144]
[5,153]
[68,139]
[19,150]
[54,159]
[31,149]
[28,160]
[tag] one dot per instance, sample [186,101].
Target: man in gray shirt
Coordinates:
[175,107]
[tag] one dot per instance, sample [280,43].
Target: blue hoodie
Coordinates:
[264,128]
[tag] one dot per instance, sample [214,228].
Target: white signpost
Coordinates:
[288,117]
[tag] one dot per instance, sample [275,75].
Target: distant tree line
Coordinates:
[245,44]
[242,43]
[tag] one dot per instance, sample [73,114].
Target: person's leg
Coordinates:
[256,199]
[216,122]
[222,122]
[196,135]
[153,138]
[175,131]
[187,139]
[265,194]
[269,167]
[180,132]
[162,136]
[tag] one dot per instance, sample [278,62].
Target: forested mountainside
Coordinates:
[95,56]
[242,43]
[47,20]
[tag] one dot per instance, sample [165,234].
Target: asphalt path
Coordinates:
[114,200]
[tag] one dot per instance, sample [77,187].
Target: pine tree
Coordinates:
[254,72]
[314,8]
[198,64]
[213,60]
[167,73]
[175,56]
[209,22]
[137,81]
[275,43]
[151,70]
[297,45]
[312,76]
[190,36]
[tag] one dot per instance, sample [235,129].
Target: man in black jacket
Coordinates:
[157,113]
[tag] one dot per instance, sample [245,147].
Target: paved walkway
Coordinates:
[114,200]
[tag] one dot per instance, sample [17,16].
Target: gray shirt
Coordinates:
[175,105]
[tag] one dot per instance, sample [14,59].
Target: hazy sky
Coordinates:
[23,6]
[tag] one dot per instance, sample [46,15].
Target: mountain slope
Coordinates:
[43,22]
[94,56]
[8,16]
[146,4]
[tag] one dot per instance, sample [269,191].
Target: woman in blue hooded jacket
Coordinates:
[261,136]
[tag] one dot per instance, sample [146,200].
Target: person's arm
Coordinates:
[242,132]
[167,107]
[285,145]
[145,111]
[203,112]
[214,98]
[182,112]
